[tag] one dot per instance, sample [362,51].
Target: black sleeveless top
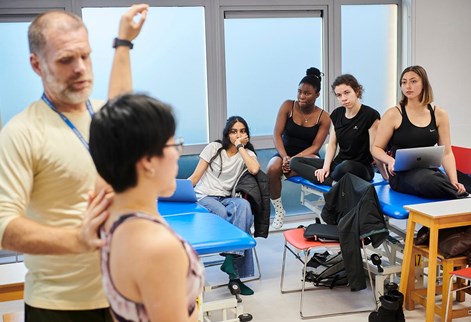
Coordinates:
[297,138]
[408,135]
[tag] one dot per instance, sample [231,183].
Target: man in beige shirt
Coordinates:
[47,210]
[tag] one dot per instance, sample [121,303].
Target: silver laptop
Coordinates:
[425,157]
[184,192]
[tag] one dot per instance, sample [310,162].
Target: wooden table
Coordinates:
[12,277]
[436,216]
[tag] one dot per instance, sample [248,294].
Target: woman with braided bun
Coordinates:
[300,130]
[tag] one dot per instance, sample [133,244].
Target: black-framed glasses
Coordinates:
[177,145]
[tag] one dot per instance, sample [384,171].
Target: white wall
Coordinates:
[441,43]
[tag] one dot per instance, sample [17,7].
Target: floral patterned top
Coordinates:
[126,310]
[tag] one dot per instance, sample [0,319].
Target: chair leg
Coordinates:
[303,287]
[447,284]
[283,268]
[449,304]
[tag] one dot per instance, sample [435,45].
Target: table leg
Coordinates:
[432,273]
[407,258]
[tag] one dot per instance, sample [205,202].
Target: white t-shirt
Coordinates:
[213,183]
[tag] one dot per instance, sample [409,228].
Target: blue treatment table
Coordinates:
[391,202]
[309,188]
[210,234]
[178,207]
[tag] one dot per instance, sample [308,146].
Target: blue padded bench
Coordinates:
[179,207]
[318,190]
[209,233]
[393,202]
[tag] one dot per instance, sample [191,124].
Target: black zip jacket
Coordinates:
[255,190]
[353,205]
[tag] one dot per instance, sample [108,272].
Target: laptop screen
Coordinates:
[184,192]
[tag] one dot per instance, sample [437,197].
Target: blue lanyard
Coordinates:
[67,121]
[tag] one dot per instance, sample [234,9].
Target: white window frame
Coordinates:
[25,10]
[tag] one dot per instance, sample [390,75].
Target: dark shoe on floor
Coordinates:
[244,289]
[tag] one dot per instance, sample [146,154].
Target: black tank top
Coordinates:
[297,138]
[408,135]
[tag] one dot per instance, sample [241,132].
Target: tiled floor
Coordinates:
[269,305]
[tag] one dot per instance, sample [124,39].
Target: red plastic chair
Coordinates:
[295,243]
[465,275]
[462,158]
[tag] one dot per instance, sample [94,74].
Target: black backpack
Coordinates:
[326,269]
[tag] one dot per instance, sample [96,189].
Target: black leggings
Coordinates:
[427,183]
[33,314]
[306,167]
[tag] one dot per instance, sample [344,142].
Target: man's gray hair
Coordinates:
[62,20]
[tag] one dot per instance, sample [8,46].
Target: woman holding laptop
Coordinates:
[417,122]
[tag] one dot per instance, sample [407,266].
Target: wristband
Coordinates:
[238,146]
[122,42]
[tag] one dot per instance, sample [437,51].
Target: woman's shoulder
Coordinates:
[324,111]
[213,146]
[142,229]
[370,110]
[440,113]
[393,112]
[287,106]
[339,110]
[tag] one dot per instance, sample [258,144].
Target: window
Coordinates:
[228,57]
[266,55]
[369,51]
[168,61]
[19,85]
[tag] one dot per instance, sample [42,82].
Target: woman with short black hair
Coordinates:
[149,273]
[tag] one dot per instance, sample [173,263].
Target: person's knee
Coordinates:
[274,167]
[244,208]
[245,204]
[294,162]
[214,207]
[346,166]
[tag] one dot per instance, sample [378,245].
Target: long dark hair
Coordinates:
[226,142]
